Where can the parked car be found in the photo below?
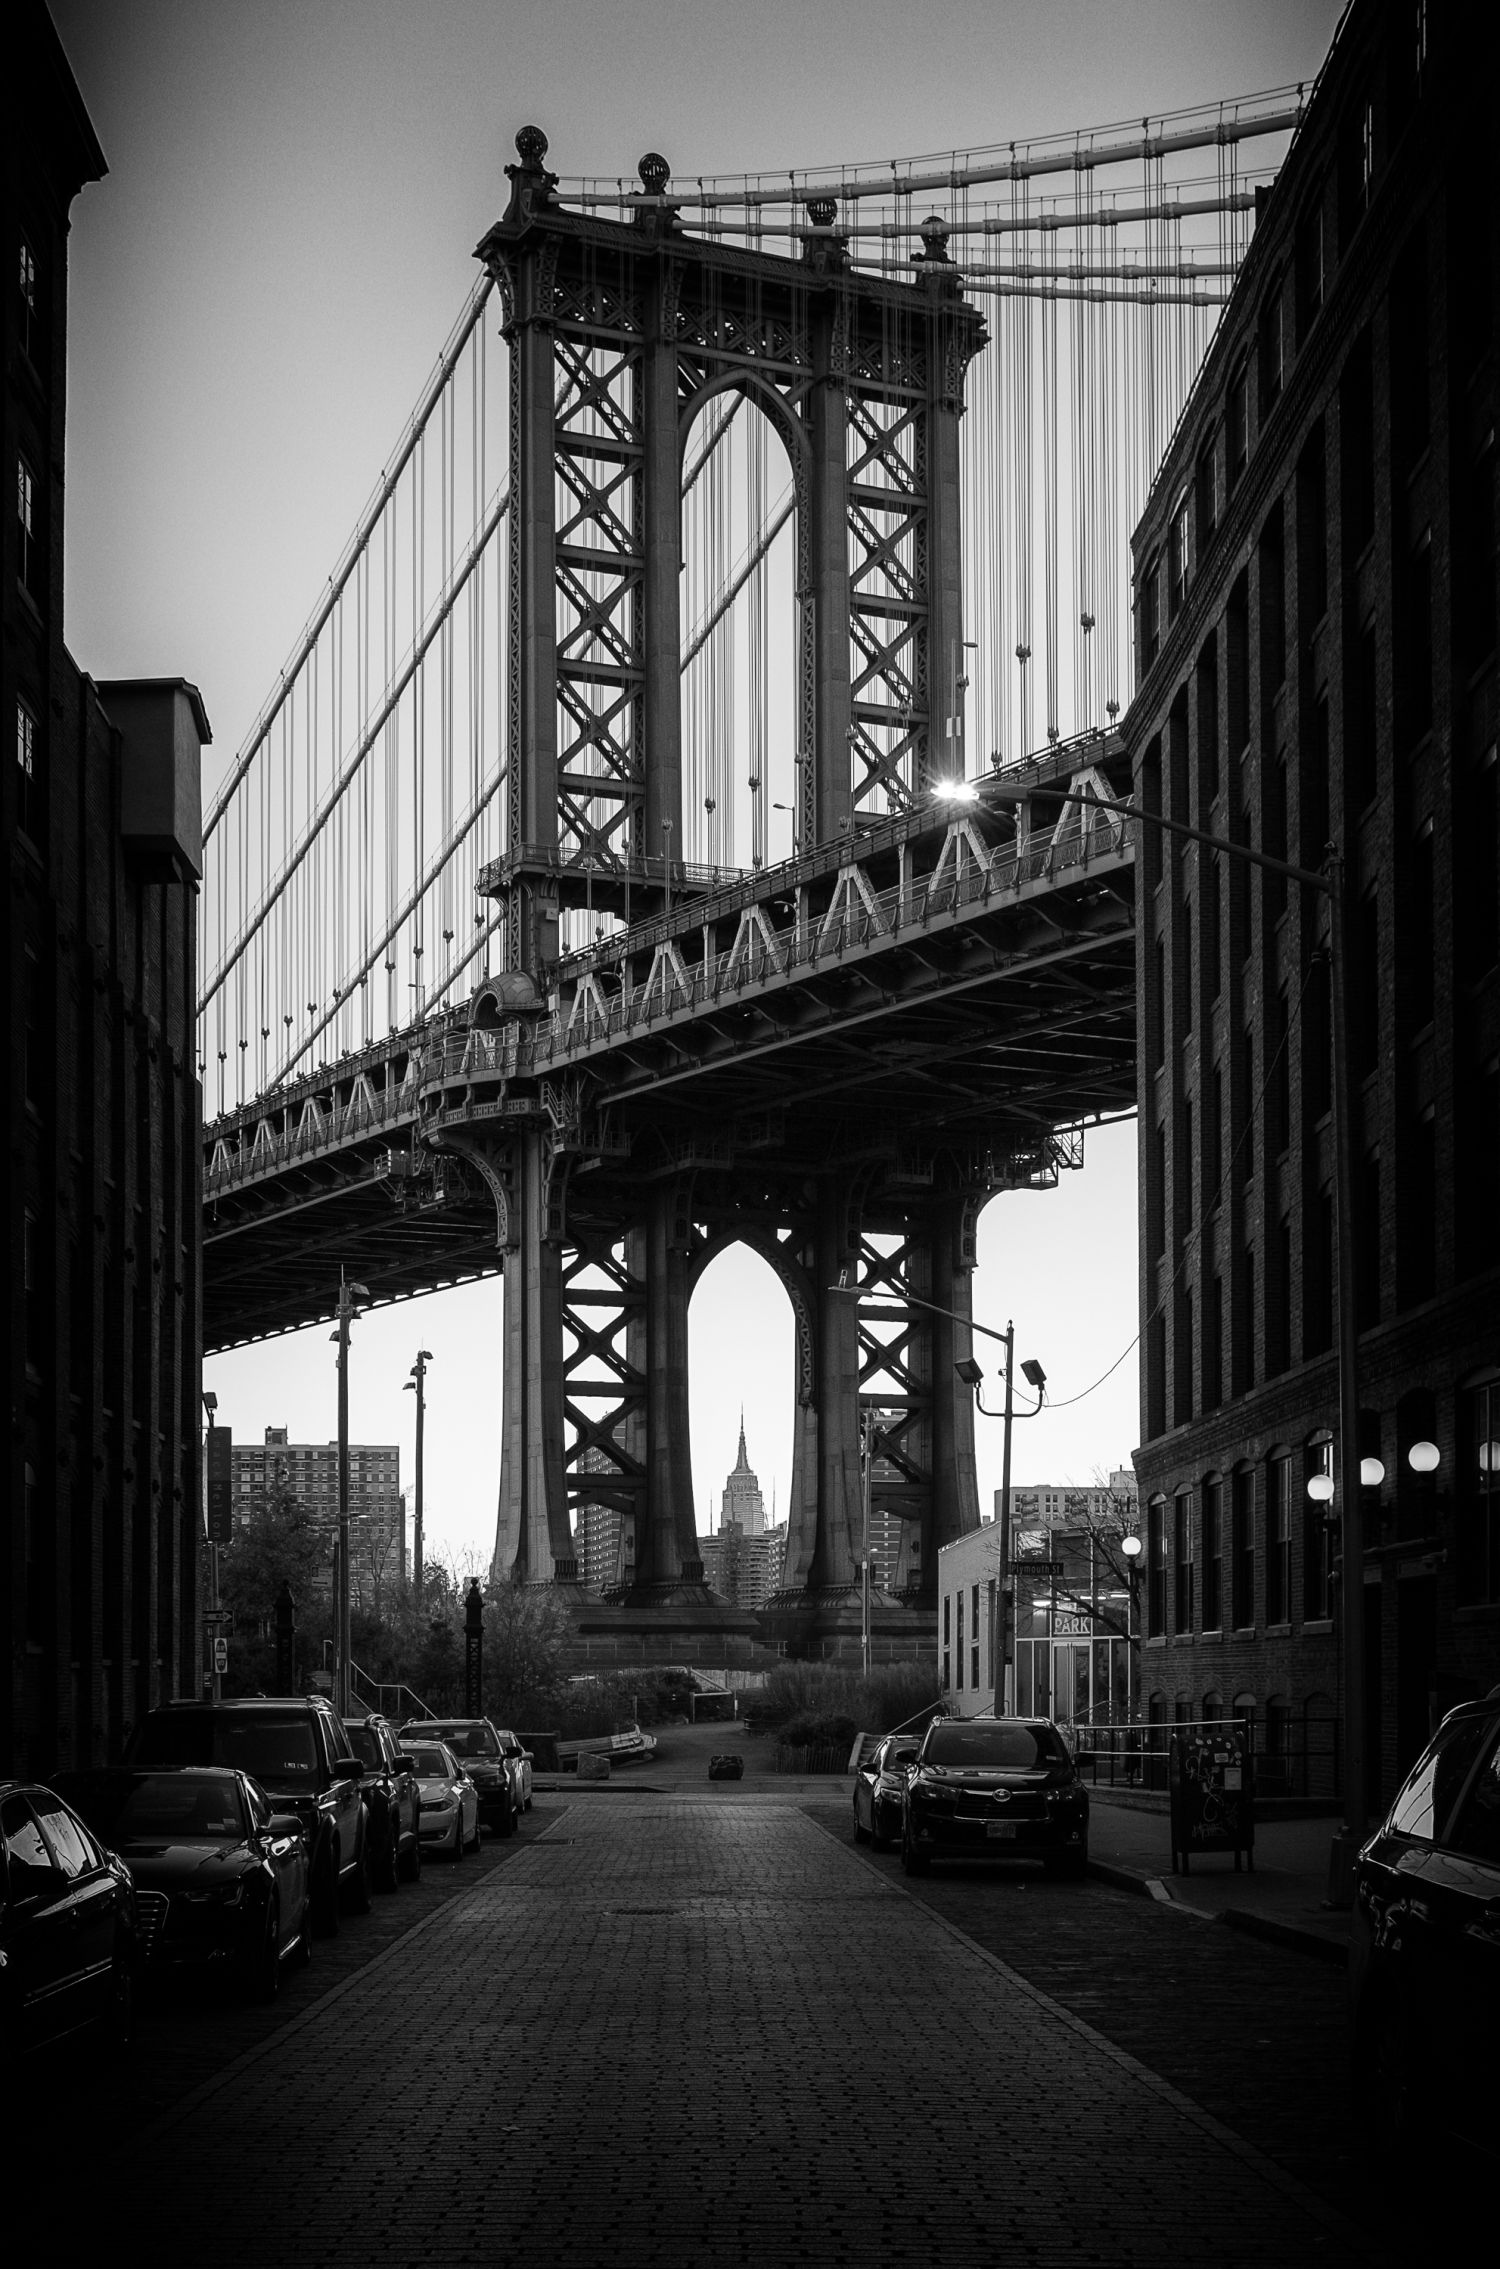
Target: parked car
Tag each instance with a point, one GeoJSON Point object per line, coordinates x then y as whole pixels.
{"type": "Point", "coordinates": [296, 1748]}
{"type": "Point", "coordinates": [994, 1788]}
{"type": "Point", "coordinates": [450, 1801]}
{"type": "Point", "coordinates": [392, 1807]}
{"type": "Point", "coordinates": [880, 1789]}
{"type": "Point", "coordinates": [1424, 1963]}
{"type": "Point", "coordinates": [519, 1759]}
{"type": "Point", "coordinates": [221, 1879]}
{"type": "Point", "coordinates": [476, 1745]}
{"type": "Point", "coordinates": [69, 1934]}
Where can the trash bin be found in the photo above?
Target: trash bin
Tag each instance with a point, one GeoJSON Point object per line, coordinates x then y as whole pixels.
{"type": "Point", "coordinates": [1211, 1781]}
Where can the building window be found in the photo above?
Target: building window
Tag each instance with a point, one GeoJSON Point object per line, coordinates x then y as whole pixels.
{"type": "Point", "coordinates": [1279, 1541]}
{"type": "Point", "coordinates": [1182, 1555]}
{"type": "Point", "coordinates": [947, 1657]}
{"type": "Point", "coordinates": [1310, 266]}
{"type": "Point", "coordinates": [1178, 541]}
{"type": "Point", "coordinates": [28, 568]}
{"type": "Point", "coordinates": [1242, 1549]}
{"type": "Point", "coordinates": [1206, 493]}
{"type": "Point", "coordinates": [1237, 427]}
{"type": "Point", "coordinates": [1150, 614]}
{"type": "Point", "coordinates": [1479, 1491]}
{"type": "Point", "coordinates": [1272, 356]}
{"type": "Point", "coordinates": [1319, 1530]}
{"type": "Point", "coordinates": [28, 784]}
{"type": "Point", "coordinates": [1213, 1546]}
{"type": "Point", "coordinates": [26, 299]}
{"type": "Point", "coordinates": [1156, 1567]}
{"type": "Point", "coordinates": [958, 1636]}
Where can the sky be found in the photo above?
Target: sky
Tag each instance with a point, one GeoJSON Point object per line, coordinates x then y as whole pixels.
{"type": "Point", "coordinates": [259, 289]}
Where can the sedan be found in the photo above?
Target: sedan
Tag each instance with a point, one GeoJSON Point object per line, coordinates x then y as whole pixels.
{"type": "Point", "coordinates": [449, 1799]}
{"type": "Point", "coordinates": [221, 1879]}
{"type": "Point", "coordinates": [880, 1789]}
{"type": "Point", "coordinates": [69, 1945]}
{"type": "Point", "coordinates": [994, 1788]}
{"type": "Point", "coordinates": [1425, 1961]}
{"type": "Point", "coordinates": [518, 1764]}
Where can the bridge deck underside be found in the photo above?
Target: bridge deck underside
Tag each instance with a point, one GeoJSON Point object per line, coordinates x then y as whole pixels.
{"type": "Point", "coordinates": [975, 1040]}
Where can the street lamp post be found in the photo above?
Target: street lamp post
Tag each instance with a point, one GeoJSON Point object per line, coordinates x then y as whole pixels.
{"type": "Point", "coordinates": [866, 1458]}
{"type": "Point", "coordinates": [351, 1298]}
{"type": "Point", "coordinates": [417, 1384]}
{"type": "Point", "coordinates": [1328, 880]}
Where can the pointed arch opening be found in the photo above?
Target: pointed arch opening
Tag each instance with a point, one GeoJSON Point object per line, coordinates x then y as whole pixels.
{"type": "Point", "coordinates": [743, 1340]}
{"type": "Point", "coordinates": [741, 643]}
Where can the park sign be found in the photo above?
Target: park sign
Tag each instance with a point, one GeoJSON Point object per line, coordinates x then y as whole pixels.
{"type": "Point", "coordinates": [220, 1488]}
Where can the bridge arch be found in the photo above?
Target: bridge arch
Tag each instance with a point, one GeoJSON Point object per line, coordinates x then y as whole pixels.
{"type": "Point", "coordinates": [798, 1505]}
{"type": "Point", "coordinates": [744, 643]}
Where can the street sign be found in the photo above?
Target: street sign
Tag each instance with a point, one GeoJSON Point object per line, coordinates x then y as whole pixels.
{"type": "Point", "coordinates": [218, 1615]}
{"type": "Point", "coordinates": [1040, 1567]}
{"type": "Point", "coordinates": [220, 1500]}
{"type": "Point", "coordinates": [221, 1656]}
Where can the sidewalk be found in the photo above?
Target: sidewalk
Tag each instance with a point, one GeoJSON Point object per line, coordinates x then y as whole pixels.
{"type": "Point", "coordinates": [1282, 1898]}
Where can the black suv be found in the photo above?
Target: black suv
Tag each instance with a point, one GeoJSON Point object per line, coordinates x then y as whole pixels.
{"type": "Point", "coordinates": [1424, 1959]}
{"type": "Point", "coordinates": [295, 1745]}
{"type": "Point", "coordinates": [994, 1788]}
{"type": "Point", "coordinates": [392, 1805]}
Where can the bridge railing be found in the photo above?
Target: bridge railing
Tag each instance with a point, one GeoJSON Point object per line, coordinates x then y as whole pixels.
{"type": "Point", "coordinates": [866, 917]}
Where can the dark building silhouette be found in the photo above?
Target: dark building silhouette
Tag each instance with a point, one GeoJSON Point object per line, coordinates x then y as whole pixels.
{"type": "Point", "coordinates": [102, 841]}
{"type": "Point", "coordinates": [1316, 603]}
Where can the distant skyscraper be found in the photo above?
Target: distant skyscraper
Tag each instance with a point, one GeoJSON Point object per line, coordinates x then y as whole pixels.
{"type": "Point", "coordinates": [743, 1503]}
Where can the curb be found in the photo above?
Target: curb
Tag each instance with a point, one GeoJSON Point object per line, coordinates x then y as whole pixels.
{"type": "Point", "coordinates": [1286, 1934]}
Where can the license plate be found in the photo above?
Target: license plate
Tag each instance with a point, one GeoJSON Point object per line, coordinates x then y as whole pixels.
{"type": "Point", "coordinates": [1000, 1828]}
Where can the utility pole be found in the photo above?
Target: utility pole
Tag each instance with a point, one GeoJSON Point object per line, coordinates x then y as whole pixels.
{"type": "Point", "coordinates": [417, 1384]}
{"type": "Point", "coordinates": [351, 1298]}
{"type": "Point", "coordinates": [866, 1448]}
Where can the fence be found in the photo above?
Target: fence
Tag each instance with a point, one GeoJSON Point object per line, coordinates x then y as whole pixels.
{"type": "Point", "coordinates": [1294, 1757]}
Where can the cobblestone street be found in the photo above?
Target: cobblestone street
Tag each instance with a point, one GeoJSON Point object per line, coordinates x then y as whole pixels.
{"type": "Point", "coordinates": [686, 2030]}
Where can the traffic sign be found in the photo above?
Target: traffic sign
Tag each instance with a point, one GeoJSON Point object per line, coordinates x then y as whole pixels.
{"type": "Point", "coordinates": [1041, 1567]}
{"type": "Point", "coordinates": [221, 1656]}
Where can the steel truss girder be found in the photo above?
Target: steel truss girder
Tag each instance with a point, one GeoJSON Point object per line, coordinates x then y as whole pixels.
{"type": "Point", "coordinates": [619, 332]}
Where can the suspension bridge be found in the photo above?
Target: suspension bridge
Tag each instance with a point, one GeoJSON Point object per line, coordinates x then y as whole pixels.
{"type": "Point", "coordinates": [685, 817]}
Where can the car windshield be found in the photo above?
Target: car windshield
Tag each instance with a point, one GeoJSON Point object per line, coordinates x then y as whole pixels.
{"type": "Point", "coordinates": [168, 1807]}
{"type": "Point", "coordinates": [273, 1746]}
{"type": "Point", "coordinates": [471, 1741]}
{"type": "Point", "coordinates": [430, 1764]}
{"type": "Point", "coordinates": [899, 1753]}
{"type": "Point", "coordinates": [982, 1742]}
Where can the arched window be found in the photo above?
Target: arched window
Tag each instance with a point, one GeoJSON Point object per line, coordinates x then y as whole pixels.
{"type": "Point", "coordinates": [1319, 1531]}
{"type": "Point", "coordinates": [1213, 1551]}
{"type": "Point", "coordinates": [1246, 1708]}
{"type": "Point", "coordinates": [1274, 1769]}
{"type": "Point", "coordinates": [1213, 1706]}
{"type": "Point", "coordinates": [1478, 1487]}
{"type": "Point", "coordinates": [1156, 1567]}
{"type": "Point", "coordinates": [1280, 1476]}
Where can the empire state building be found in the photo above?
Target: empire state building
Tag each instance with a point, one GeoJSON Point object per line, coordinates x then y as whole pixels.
{"type": "Point", "coordinates": [742, 1504]}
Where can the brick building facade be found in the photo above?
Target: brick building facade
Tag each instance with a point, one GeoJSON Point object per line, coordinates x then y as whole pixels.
{"type": "Point", "coordinates": [99, 822]}
{"type": "Point", "coordinates": [1316, 602]}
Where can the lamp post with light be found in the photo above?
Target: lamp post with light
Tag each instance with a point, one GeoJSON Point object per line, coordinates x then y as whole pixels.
{"type": "Point", "coordinates": [972, 1376]}
{"type": "Point", "coordinates": [417, 1384]}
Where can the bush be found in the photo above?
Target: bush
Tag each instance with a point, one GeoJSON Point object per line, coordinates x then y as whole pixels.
{"type": "Point", "coordinates": [798, 1692]}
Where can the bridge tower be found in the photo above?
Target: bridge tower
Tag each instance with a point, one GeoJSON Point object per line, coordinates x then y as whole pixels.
{"type": "Point", "coordinates": [620, 331]}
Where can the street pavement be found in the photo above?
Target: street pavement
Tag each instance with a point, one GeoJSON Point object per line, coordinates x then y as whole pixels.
{"type": "Point", "coordinates": [704, 2028]}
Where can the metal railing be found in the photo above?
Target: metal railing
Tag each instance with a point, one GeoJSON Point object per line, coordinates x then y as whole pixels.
{"type": "Point", "coordinates": [1294, 1756]}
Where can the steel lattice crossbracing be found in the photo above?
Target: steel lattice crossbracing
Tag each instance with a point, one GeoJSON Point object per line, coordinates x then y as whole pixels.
{"type": "Point", "coordinates": [717, 605]}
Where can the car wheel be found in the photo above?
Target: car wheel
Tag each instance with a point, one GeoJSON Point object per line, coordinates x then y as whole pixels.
{"type": "Point", "coordinates": [410, 1863]}
{"type": "Point", "coordinates": [263, 1976]}
{"type": "Point", "coordinates": [357, 1882]}
{"type": "Point", "coordinates": [913, 1861]}
{"type": "Point", "coordinates": [325, 1900]}
{"type": "Point", "coordinates": [124, 1998]}
{"type": "Point", "coordinates": [879, 1837]}
{"type": "Point", "coordinates": [457, 1849]}
{"type": "Point", "coordinates": [1386, 2099]}
{"type": "Point", "coordinates": [387, 1872]}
